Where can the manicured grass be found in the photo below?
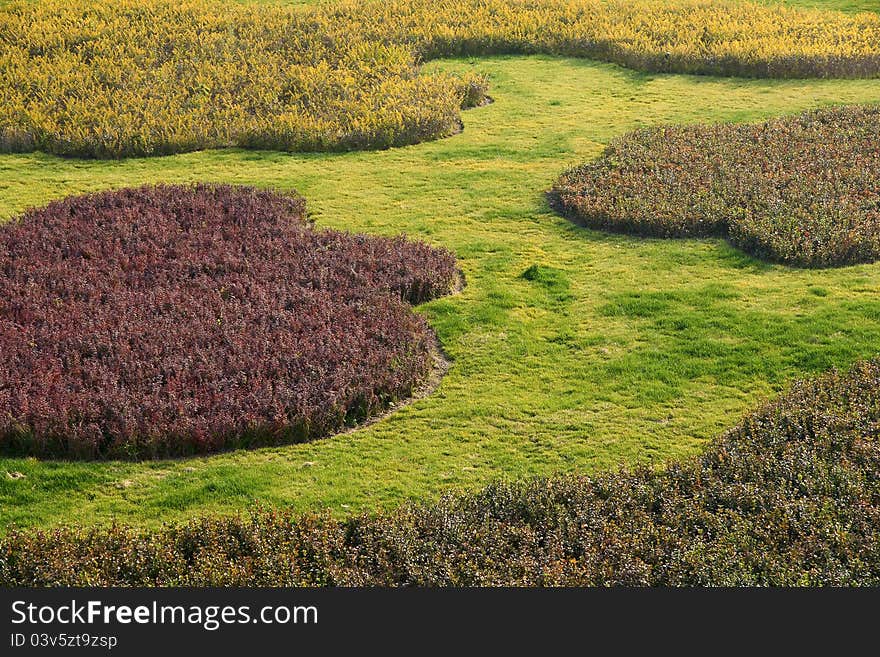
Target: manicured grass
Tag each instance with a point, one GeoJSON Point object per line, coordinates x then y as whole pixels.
{"type": "Point", "coordinates": [849, 6]}
{"type": "Point", "coordinates": [611, 350]}
{"type": "Point", "coordinates": [789, 497]}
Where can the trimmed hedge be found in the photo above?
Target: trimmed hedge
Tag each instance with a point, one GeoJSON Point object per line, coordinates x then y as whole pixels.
{"type": "Point", "coordinates": [802, 190]}
{"type": "Point", "coordinates": [791, 496]}
{"type": "Point", "coordinates": [120, 78]}
{"type": "Point", "coordinates": [174, 320]}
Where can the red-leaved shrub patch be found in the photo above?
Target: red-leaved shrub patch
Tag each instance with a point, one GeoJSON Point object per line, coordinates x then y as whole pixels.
{"type": "Point", "coordinates": [788, 497]}
{"type": "Point", "coordinates": [173, 320]}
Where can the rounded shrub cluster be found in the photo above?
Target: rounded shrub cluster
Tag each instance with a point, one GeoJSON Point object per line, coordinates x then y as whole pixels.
{"type": "Point", "coordinates": [802, 190]}
{"type": "Point", "coordinates": [95, 78]}
{"type": "Point", "coordinates": [791, 496]}
{"type": "Point", "coordinates": [119, 78]}
{"type": "Point", "coordinates": [173, 320]}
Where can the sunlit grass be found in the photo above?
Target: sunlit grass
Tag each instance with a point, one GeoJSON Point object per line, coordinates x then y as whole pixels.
{"type": "Point", "coordinates": [611, 350]}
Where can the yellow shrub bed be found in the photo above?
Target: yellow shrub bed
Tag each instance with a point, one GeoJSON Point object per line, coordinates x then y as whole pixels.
{"type": "Point", "coordinates": [133, 77]}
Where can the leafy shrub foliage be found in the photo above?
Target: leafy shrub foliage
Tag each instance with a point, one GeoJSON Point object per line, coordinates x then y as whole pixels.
{"type": "Point", "coordinates": [174, 320]}
{"type": "Point", "coordinates": [802, 190]}
{"type": "Point", "coordinates": [791, 496]}
{"type": "Point", "coordinates": [120, 78]}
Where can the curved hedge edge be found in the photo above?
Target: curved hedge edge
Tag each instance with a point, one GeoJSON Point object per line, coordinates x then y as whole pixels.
{"type": "Point", "coordinates": [801, 190]}
{"type": "Point", "coordinates": [359, 87]}
{"type": "Point", "coordinates": [114, 352]}
{"type": "Point", "coordinates": [789, 497]}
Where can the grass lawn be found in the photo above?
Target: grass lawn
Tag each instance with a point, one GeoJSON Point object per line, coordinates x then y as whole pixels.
{"type": "Point", "coordinates": [849, 6]}
{"type": "Point", "coordinates": [612, 350]}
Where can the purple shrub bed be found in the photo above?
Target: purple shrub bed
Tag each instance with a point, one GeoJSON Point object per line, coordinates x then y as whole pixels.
{"type": "Point", "coordinates": [790, 496]}
{"type": "Point", "coordinates": [801, 190]}
{"type": "Point", "coordinates": [173, 320]}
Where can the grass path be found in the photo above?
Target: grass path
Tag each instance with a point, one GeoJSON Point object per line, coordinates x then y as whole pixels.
{"type": "Point", "coordinates": [614, 350]}
{"type": "Point", "coordinates": [849, 6]}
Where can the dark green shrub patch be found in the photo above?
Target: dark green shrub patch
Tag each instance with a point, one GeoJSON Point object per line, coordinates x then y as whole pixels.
{"type": "Point", "coordinates": [801, 190]}
{"type": "Point", "coordinates": [175, 320]}
{"type": "Point", "coordinates": [791, 496]}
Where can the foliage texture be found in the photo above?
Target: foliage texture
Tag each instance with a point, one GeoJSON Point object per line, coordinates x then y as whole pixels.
{"type": "Point", "coordinates": [802, 190]}
{"type": "Point", "coordinates": [173, 320]}
{"type": "Point", "coordinates": [133, 78]}
{"type": "Point", "coordinates": [791, 496]}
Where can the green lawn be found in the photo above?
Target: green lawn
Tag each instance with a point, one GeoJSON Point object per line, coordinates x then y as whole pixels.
{"type": "Point", "coordinates": [619, 350]}
{"type": "Point", "coordinates": [850, 6]}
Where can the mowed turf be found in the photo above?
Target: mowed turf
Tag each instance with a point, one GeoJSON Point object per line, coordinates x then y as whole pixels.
{"type": "Point", "coordinates": [572, 350]}
{"type": "Point", "coordinates": [849, 6]}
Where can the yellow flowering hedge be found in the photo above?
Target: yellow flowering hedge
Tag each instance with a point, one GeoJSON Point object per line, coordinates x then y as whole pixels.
{"type": "Point", "coordinates": [120, 78]}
